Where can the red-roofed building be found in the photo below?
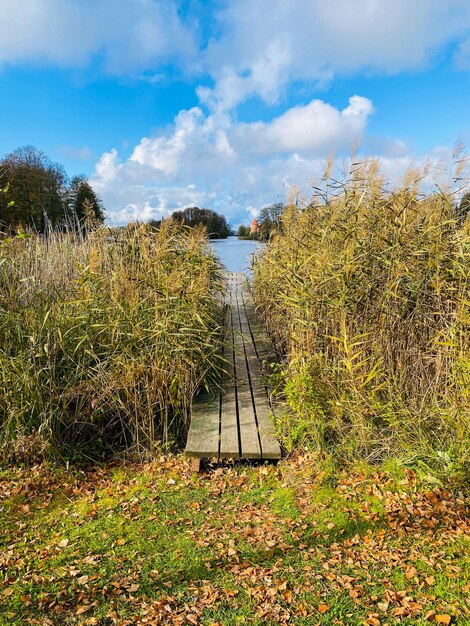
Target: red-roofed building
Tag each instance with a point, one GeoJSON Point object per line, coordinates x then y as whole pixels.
{"type": "Point", "coordinates": [254, 228]}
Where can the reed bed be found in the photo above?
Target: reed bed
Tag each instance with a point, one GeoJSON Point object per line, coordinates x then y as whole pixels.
{"type": "Point", "coordinates": [366, 293]}
{"type": "Point", "coordinates": [104, 339]}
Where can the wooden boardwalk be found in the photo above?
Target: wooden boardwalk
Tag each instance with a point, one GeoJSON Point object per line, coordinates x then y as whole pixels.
{"type": "Point", "coordinates": [235, 422]}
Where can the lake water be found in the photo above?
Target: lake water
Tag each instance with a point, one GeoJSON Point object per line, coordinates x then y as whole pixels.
{"type": "Point", "coordinates": [235, 254]}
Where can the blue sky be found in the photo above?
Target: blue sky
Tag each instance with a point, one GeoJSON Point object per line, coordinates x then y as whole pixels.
{"type": "Point", "coordinates": [227, 104]}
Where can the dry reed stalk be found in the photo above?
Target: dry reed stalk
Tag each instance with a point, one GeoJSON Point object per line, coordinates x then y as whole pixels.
{"type": "Point", "coordinates": [105, 339]}
{"type": "Point", "coordinates": [366, 293]}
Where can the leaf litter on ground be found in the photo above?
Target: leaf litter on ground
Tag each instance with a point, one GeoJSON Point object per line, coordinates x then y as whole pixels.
{"type": "Point", "coordinates": [238, 544]}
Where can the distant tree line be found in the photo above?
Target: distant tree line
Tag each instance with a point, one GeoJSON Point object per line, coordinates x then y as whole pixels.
{"type": "Point", "coordinates": [39, 195]}
{"type": "Point", "coordinates": [269, 221]}
{"type": "Point", "coordinates": [215, 224]}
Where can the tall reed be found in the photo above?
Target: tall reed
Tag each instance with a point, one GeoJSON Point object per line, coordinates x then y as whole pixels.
{"type": "Point", "coordinates": [366, 293]}
{"type": "Point", "coordinates": [105, 339]}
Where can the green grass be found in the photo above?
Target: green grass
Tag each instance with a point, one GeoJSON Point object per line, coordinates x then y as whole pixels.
{"type": "Point", "coordinates": [235, 545]}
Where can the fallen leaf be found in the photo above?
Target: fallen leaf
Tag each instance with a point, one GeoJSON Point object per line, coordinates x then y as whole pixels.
{"type": "Point", "coordinates": [322, 608]}
{"type": "Point", "coordinates": [443, 618]}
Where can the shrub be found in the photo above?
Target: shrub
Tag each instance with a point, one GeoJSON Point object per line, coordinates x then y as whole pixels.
{"type": "Point", "coordinates": [104, 340]}
{"type": "Point", "coordinates": [366, 293]}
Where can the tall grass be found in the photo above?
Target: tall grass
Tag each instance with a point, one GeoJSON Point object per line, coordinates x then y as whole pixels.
{"type": "Point", "coordinates": [105, 339]}
{"type": "Point", "coordinates": [366, 293]}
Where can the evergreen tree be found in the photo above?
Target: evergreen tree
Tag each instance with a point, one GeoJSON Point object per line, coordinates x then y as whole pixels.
{"type": "Point", "coordinates": [83, 201]}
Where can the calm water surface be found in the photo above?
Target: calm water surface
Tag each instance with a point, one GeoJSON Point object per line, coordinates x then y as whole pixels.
{"type": "Point", "coordinates": [235, 254]}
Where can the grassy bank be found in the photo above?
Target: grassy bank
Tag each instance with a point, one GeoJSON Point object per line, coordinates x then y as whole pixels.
{"type": "Point", "coordinates": [103, 340]}
{"type": "Point", "coordinates": [366, 293]}
{"type": "Point", "coordinates": [294, 544]}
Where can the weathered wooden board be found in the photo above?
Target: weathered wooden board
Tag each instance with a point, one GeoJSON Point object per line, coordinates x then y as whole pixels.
{"type": "Point", "coordinates": [250, 444]}
{"type": "Point", "coordinates": [204, 430]}
{"type": "Point", "coordinates": [229, 434]}
{"type": "Point", "coordinates": [236, 422]}
{"type": "Point", "coordinates": [270, 448]}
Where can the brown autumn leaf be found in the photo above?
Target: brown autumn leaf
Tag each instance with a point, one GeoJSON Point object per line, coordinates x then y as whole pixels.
{"type": "Point", "coordinates": [443, 618]}
{"type": "Point", "coordinates": [63, 544]}
{"type": "Point", "coordinates": [322, 608]}
{"type": "Point", "coordinates": [121, 542]}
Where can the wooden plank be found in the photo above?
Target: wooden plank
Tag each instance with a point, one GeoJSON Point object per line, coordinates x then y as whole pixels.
{"type": "Point", "coordinates": [263, 344]}
{"type": "Point", "coordinates": [250, 445]}
{"type": "Point", "coordinates": [236, 421]}
{"type": "Point", "coordinates": [204, 430]}
{"type": "Point", "coordinates": [270, 448]}
{"type": "Point", "coordinates": [229, 433]}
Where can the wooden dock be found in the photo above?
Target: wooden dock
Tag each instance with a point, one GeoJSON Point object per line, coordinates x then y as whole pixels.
{"type": "Point", "coordinates": [235, 421]}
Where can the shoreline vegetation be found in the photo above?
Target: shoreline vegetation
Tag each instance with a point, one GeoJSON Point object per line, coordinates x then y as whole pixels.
{"type": "Point", "coordinates": [104, 339]}
{"type": "Point", "coordinates": [106, 335]}
{"type": "Point", "coordinates": [366, 295]}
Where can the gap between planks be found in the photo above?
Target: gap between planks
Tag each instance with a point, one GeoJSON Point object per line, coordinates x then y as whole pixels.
{"type": "Point", "coordinates": [235, 421]}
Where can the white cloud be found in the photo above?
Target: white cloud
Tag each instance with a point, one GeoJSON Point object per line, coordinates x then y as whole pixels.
{"type": "Point", "coordinates": [463, 55]}
{"type": "Point", "coordinates": [197, 141]}
{"type": "Point", "coordinates": [316, 127]}
{"type": "Point", "coordinates": [210, 160]}
{"type": "Point", "coordinates": [215, 162]}
{"type": "Point", "coordinates": [130, 35]}
{"type": "Point", "coordinates": [266, 45]}
{"type": "Point", "coordinates": [258, 47]}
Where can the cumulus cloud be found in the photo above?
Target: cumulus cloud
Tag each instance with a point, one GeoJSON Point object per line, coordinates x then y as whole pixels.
{"type": "Point", "coordinates": [264, 45]}
{"type": "Point", "coordinates": [129, 36]}
{"type": "Point", "coordinates": [195, 144]}
{"type": "Point", "coordinates": [211, 160]}
{"type": "Point", "coordinates": [257, 47]}
{"type": "Point", "coordinates": [316, 127]}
